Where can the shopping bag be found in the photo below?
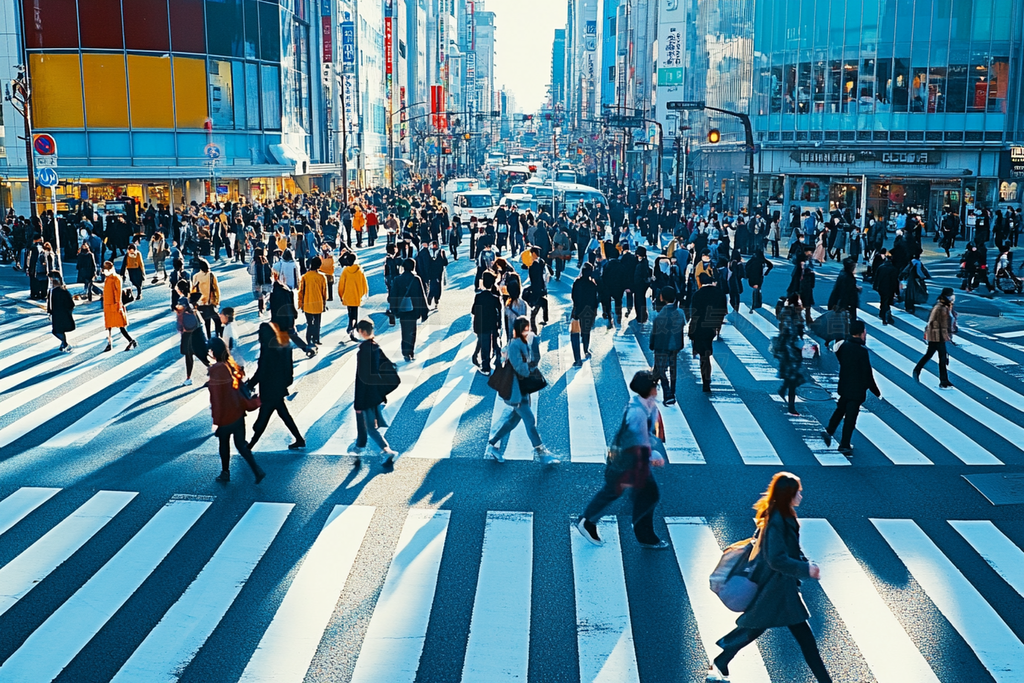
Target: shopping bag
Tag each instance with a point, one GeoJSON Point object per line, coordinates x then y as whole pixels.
{"type": "Point", "coordinates": [501, 380]}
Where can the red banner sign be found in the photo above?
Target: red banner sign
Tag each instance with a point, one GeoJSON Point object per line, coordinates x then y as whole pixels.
{"type": "Point", "coordinates": [389, 64]}
{"type": "Point", "coordinates": [328, 39]}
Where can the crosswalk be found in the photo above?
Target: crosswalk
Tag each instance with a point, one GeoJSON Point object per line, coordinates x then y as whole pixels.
{"type": "Point", "coordinates": [444, 410]}
{"type": "Point", "coordinates": [879, 578]}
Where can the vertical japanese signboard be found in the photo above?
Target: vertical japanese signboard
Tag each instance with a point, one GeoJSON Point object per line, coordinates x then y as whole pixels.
{"type": "Point", "coordinates": [348, 44]}
{"type": "Point", "coordinates": [327, 38]}
{"type": "Point", "coordinates": [672, 50]}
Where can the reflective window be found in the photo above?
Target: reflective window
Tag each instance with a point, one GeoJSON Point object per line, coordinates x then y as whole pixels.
{"type": "Point", "coordinates": [270, 32]}
{"type": "Point", "coordinates": [145, 25]}
{"type": "Point", "coordinates": [186, 17]}
{"type": "Point", "coordinates": [270, 96]}
{"type": "Point", "coordinates": [97, 30]}
{"type": "Point", "coordinates": [53, 23]}
{"type": "Point", "coordinates": [224, 27]}
{"type": "Point", "coordinates": [221, 95]}
{"type": "Point", "coordinates": [252, 96]}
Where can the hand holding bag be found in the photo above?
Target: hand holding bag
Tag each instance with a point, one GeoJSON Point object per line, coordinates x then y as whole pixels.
{"type": "Point", "coordinates": [732, 579]}
{"type": "Point", "coordinates": [501, 380]}
{"type": "Point", "coordinates": [532, 383]}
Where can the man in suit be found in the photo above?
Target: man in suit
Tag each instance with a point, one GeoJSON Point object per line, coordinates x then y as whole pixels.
{"type": "Point", "coordinates": [855, 380]}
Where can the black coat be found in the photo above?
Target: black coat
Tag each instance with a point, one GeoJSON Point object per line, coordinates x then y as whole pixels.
{"type": "Point", "coordinates": [486, 312]}
{"type": "Point", "coordinates": [408, 284]}
{"type": "Point", "coordinates": [855, 376]}
{"type": "Point", "coordinates": [86, 267]}
{"type": "Point", "coordinates": [708, 313]}
{"type": "Point", "coordinates": [845, 294]}
{"type": "Point", "coordinates": [584, 299]}
{"type": "Point", "coordinates": [282, 307]}
{"type": "Point", "coordinates": [368, 381]}
{"type": "Point", "coordinates": [780, 569]}
{"type": "Point", "coordinates": [667, 330]}
{"type": "Point", "coordinates": [887, 280]}
{"type": "Point", "coordinates": [274, 368]}
{"type": "Point", "coordinates": [59, 307]}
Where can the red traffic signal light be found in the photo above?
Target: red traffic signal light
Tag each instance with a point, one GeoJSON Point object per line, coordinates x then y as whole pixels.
{"type": "Point", "coordinates": [446, 150]}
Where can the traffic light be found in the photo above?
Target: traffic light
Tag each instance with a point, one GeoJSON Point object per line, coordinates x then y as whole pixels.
{"type": "Point", "coordinates": [467, 136]}
{"type": "Point", "coordinates": [446, 150]}
{"type": "Point", "coordinates": [527, 117]}
{"type": "Point", "coordinates": [714, 136]}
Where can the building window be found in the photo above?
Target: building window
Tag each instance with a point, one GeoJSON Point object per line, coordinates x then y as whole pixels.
{"type": "Point", "coordinates": [900, 85]}
{"type": "Point", "coordinates": [252, 96]}
{"type": "Point", "coordinates": [224, 27]}
{"type": "Point", "coordinates": [146, 27]}
{"type": "Point", "coordinates": [187, 20]}
{"type": "Point", "coordinates": [221, 95]}
{"type": "Point", "coordinates": [270, 96]}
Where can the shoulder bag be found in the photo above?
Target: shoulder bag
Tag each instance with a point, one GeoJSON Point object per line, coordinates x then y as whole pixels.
{"type": "Point", "coordinates": [501, 380]}
{"type": "Point", "coordinates": [732, 580]}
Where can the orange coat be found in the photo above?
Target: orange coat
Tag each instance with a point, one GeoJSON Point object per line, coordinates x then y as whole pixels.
{"type": "Point", "coordinates": [312, 292]}
{"type": "Point", "coordinates": [358, 220]}
{"type": "Point", "coordinates": [114, 314]}
{"type": "Point", "coordinates": [352, 285]}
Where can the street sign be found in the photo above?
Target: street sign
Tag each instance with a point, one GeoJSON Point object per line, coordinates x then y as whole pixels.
{"type": "Point", "coordinates": [684, 105]}
{"type": "Point", "coordinates": [46, 162]}
{"type": "Point", "coordinates": [47, 177]}
{"type": "Point", "coordinates": [617, 121]}
{"type": "Point", "coordinates": [43, 144]}
{"type": "Point", "coordinates": [212, 151]}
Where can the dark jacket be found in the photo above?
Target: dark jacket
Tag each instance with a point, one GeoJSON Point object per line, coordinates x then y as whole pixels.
{"type": "Point", "coordinates": [845, 294]}
{"type": "Point", "coordinates": [274, 368]}
{"type": "Point", "coordinates": [368, 382]}
{"type": "Point", "coordinates": [755, 270]}
{"type": "Point", "coordinates": [708, 313]}
{"type": "Point", "coordinates": [282, 307]}
{"type": "Point", "coordinates": [59, 307]}
{"type": "Point", "coordinates": [643, 277]}
{"type": "Point", "coordinates": [486, 312]}
{"type": "Point", "coordinates": [584, 299]}
{"type": "Point", "coordinates": [781, 567]}
{"type": "Point", "coordinates": [855, 376]}
{"type": "Point", "coordinates": [886, 280]}
{"type": "Point", "coordinates": [408, 284]}
{"type": "Point", "coordinates": [667, 330]}
{"type": "Point", "coordinates": [86, 267]}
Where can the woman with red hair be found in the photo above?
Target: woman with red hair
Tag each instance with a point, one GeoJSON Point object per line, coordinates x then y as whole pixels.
{"type": "Point", "coordinates": [780, 567]}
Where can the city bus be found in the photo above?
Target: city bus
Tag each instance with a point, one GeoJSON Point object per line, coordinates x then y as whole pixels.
{"type": "Point", "coordinates": [512, 175]}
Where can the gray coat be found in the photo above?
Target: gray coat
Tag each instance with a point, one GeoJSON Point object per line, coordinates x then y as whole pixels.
{"type": "Point", "coordinates": [778, 602]}
{"type": "Point", "coordinates": [524, 357]}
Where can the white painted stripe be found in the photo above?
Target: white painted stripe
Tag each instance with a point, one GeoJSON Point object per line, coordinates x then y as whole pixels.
{"type": "Point", "coordinates": [748, 355]}
{"type": "Point", "coordinates": [173, 642]}
{"type": "Point", "coordinates": [586, 430]}
{"type": "Point", "coordinates": [16, 340]}
{"type": "Point", "coordinates": [11, 323]}
{"type": "Point", "coordinates": [498, 650]}
{"type": "Point", "coordinates": [809, 430]}
{"type": "Point", "coordinates": [697, 553]}
{"type": "Point", "coordinates": [1002, 555]}
{"type": "Point", "coordinates": [92, 424]}
{"type": "Point", "coordinates": [60, 638]}
{"type": "Point", "coordinates": [888, 650]}
{"type": "Point", "coordinates": [753, 446]}
{"type": "Point", "coordinates": [21, 503]}
{"type": "Point", "coordinates": [984, 382]}
{"type": "Point", "coordinates": [680, 443]}
{"type": "Point", "coordinates": [398, 628]}
{"type": "Point", "coordinates": [961, 604]}
{"type": "Point", "coordinates": [290, 642]}
{"type": "Point", "coordinates": [412, 375]}
{"type": "Point", "coordinates": [603, 629]}
{"type": "Point", "coordinates": [1010, 335]}
{"type": "Point", "coordinates": [518, 446]}
{"type": "Point", "coordinates": [83, 392]}
{"type": "Point", "coordinates": [25, 571]}
{"type": "Point", "coordinates": [437, 437]}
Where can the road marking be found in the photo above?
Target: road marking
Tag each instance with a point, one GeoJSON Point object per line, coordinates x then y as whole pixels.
{"type": "Point", "coordinates": [996, 549]}
{"type": "Point", "coordinates": [888, 650]}
{"type": "Point", "coordinates": [394, 640]}
{"type": "Point", "coordinates": [52, 646]}
{"type": "Point", "coordinates": [437, 437]}
{"type": "Point", "coordinates": [498, 650]}
{"type": "Point", "coordinates": [748, 355]}
{"type": "Point", "coordinates": [335, 385]}
{"type": "Point", "coordinates": [680, 443]}
{"type": "Point", "coordinates": [697, 553]}
{"type": "Point", "coordinates": [35, 563]}
{"type": "Point", "coordinates": [586, 430]}
{"type": "Point", "coordinates": [1010, 335]}
{"type": "Point", "coordinates": [173, 642]}
{"type": "Point", "coordinates": [961, 604]}
{"type": "Point", "coordinates": [603, 630]}
{"type": "Point", "coordinates": [290, 642]}
{"type": "Point", "coordinates": [21, 503]}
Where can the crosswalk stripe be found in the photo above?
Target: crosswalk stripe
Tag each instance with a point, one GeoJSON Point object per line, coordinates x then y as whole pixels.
{"type": "Point", "coordinates": [750, 440]}
{"type": "Point", "coordinates": [586, 430]}
{"type": "Point", "coordinates": [809, 429]}
{"type": "Point", "coordinates": [978, 379]}
{"type": "Point", "coordinates": [996, 549]}
{"type": "Point", "coordinates": [173, 642]}
{"type": "Point", "coordinates": [680, 443]}
{"type": "Point", "coordinates": [893, 446]}
{"type": "Point", "coordinates": [398, 628]}
{"type": "Point", "coordinates": [290, 642]}
{"type": "Point", "coordinates": [697, 553]}
{"type": "Point", "coordinates": [53, 645]}
{"type": "Point", "coordinates": [748, 355]}
{"type": "Point", "coordinates": [498, 650]}
{"type": "Point", "coordinates": [603, 630]}
{"type": "Point", "coordinates": [25, 571]}
{"type": "Point", "coordinates": [984, 353]}
{"type": "Point", "coordinates": [437, 437]}
{"type": "Point", "coordinates": [335, 386]}
{"type": "Point", "coordinates": [43, 414]}
{"type": "Point", "coordinates": [1010, 335]}
{"type": "Point", "coordinates": [961, 604]}
{"type": "Point", "coordinates": [888, 650]}
{"type": "Point", "coordinates": [21, 503]}
{"type": "Point", "coordinates": [92, 424]}
{"type": "Point", "coordinates": [16, 323]}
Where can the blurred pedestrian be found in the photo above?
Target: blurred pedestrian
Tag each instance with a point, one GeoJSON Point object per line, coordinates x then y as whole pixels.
{"type": "Point", "coordinates": [59, 306]}
{"type": "Point", "coordinates": [228, 406]}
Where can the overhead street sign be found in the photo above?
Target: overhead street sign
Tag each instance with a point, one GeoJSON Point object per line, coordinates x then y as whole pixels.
{"type": "Point", "coordinates": [617, 121]}
{"type": "Point", "coordinates": [684, 105]}
{"type": "Point", "coordinates": [47, 177]}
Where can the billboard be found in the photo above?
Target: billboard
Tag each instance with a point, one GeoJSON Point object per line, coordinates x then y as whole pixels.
{"type": "Point", "coordinates": [348, 43]}
{"type": "Point", "coordinates": [671, 62]}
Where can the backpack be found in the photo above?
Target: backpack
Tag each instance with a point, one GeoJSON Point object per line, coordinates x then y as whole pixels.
{"type": "Point", "coordinates": [387, 372]}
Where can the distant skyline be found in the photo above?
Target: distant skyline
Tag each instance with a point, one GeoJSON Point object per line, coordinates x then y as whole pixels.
{"type": "Point", "coordinates": [524, 32]}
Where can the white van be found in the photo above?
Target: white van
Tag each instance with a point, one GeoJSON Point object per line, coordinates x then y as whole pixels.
{"type": "Point", "coordinates": [457, 185]}
{"type": "Point", "coordinates": [475, 203]}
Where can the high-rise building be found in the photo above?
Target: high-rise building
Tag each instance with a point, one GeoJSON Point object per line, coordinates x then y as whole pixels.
{"type": "Point", "coordinates": [557, 91]}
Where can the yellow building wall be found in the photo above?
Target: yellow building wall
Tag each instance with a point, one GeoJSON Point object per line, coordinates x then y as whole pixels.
{"type": "Point", "coordinates": [106, 90]}
{"type": "Point", "coordinates": [56, 91]}
{"type": "Point", "coordinates": [190, 110]}
{"type": "Point", "coordinates": [152, 93]}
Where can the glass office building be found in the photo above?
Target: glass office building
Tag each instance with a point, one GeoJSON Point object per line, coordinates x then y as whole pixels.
{"type": "Point", "coordinates": [177, 98]}
{"type": "Point", "coordinates": [888, 105]}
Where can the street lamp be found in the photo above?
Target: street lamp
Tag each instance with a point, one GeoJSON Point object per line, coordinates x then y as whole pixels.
{"type": "Point", "coordinates": [391, 140]}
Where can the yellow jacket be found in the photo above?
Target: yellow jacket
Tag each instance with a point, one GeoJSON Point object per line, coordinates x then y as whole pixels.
{"type": "Point", "coordinates": [206, 284]}
{"type": "Point", "coordinates": [312, 292]}
{"type": "Point", "coordinates": [358, 220]}
{"type": "Point", "coordinates": [327, 265]}
{"type": "Point", "coordinates": [352, 285]}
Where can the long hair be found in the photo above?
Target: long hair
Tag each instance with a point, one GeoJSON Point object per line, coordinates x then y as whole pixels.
{"type": "Point", "coordinates": [779, 496]}
{"type": "Point", "coordinates": [219, 350]}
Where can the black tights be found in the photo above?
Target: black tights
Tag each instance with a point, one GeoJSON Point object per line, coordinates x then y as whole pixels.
{"type": "Point", "coordinates": [189, 363]}
{"type": "Point", "coordinates": [739, 638]}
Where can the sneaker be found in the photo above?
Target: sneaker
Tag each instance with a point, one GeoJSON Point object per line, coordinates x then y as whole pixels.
{"type": "Point", "coordinates": [493, 452]}
{"type": "Point", "coordinates": [660, 545]}
{"type": "Point", "coordinates": [945, 385]}
{"type": "Point", "coordinates": [311, 351]}
{"type": "Point", "coordinates": [578, 364]}
{"type": "Point", "coordinates": [187, 383]}
{"type": "Point", "coordinates": [545, 455]}
{"type": "Point", "coordinates": [390, 455]}
{"type": "Point", "coordinates": [826, 437]}
{"type": "Point", "coordinates": [846, 449]}
{"type": "Point", "coordinates": [670, 401]}
{"type": "Point", "coordinates": [589, 531]}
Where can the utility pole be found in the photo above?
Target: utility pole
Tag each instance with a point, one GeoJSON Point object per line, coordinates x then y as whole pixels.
{"type": "Point", "coordinates": [20, 98]}
{"type": "Point", "coordinates": [344, 141]}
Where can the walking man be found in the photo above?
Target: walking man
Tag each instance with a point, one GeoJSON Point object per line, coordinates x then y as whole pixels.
{"type": "Point", "coordinates": [709, 309]}
{"type": "Point", "coordinates": [312, 298]}
{"type": "Point", "coordinates": [855, 380]}
{"type": "Point", "coordinates": [666, 342]}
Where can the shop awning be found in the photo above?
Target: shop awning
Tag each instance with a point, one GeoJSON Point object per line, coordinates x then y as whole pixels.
{"type": "Point", "coordinates": [290, 155]}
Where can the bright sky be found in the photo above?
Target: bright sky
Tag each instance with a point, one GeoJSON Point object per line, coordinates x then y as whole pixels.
{"type": "Point", "coordinates": [524, 31]}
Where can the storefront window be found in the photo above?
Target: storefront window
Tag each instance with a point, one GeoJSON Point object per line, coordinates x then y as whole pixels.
{"type": "Point", "coordinates": [865, 89]}
{"type": "Point", "coordinates": [221, 95]}
{"type": "Point", "coordinates": [936, 89]}
{"type": "Point", "coordinates": [883, 85]}
{"type": "Point", "coordinates": [900, 85]}
{"type": "Point", "coordinates": [956, 88]}
{"type": "Point", "coordinates": [850, 92]}
{"type": "Point", "coordinates": [918, 89]}
{"type": "Point", "coordinates": [977, 83]}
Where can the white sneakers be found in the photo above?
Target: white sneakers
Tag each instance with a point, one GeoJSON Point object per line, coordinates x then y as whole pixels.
{"type": "Point", "coordinates": [493, 452]}
{"type": "Point", "coordinates": [187, 382]}
{"type": "Point", "coordinates": [545, 455]}
{"type": "Point", "coordinates": [589, 531]}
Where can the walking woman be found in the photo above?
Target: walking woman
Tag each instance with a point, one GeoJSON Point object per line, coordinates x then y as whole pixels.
{"type": "Point", "coordinates": [789, 350]}
{"type": "Point", "coordinates": [59, 305]}
{"type": "Point", "coordinates": [638, 449]}
{"type": "Point", "coordinates": [158, 252]}
{"type": "Point", "coordinates": [352, 290]}
{"type": "Point", "coordinates": [778, 574]}
{"type": "Point", "coordinates": [939, 330]}
{"type": "Point", "coordinates": [262, 279]}
{"type": "Point", "coordinates": [135, 267]}
{"type": "Point", "coordinates": [178, 274]}
{"type": "Point", "coordinates": [228, 406]}
{"type": "Point", "coordinates": [114, 313]}
{"type": "Point", "coordinates": [274, 377]}
{"type": "Point", "coordinates": [205, 282]}
{"type": "Point", "coordinates": [86, 270]}
{"type": "Point", "coordinates": [523, 352]}
{"type": "Point", "coordinates": [193, 339]}
{"type": "Point", "coordinates": [584, 312]}
{"type": "Point", "coordinates": [373, 383]}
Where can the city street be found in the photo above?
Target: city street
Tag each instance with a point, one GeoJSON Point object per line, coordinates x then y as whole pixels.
{"type": "Point", "coordinates": [122, 559]}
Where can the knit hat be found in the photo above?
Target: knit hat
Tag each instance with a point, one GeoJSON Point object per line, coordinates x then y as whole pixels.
{"type": "Point", "coordinates": [946, 292]}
